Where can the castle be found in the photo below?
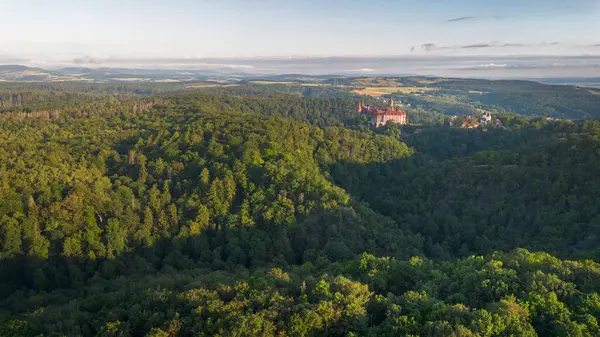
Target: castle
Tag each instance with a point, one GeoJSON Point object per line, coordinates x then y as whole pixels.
{"type": "Point", "coordinates": [379, 117]}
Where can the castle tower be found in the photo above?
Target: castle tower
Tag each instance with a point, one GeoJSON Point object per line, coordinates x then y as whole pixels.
{"type": "Point", "coordinates": [391, 104]}
{"type": "Point", "coordinates": [361, 107]}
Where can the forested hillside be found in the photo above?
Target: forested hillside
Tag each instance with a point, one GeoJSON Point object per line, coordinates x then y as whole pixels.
{"type": "Point", "coordinates": [484, 190]}
{"type": "Point", "coordinates": [214, 213]}
{"type": "Point", "coordinates": [426, 95]}
{"type": "Point", "coordinates": [452, 96]}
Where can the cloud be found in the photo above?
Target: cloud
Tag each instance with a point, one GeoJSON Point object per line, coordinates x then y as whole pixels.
{"type": "Point", "coordinates": [492, 65]}
{"type": "Point", "coordinates": [428, 46]}
{"type": "Point", "coordinates": [465, 18]}
{"type": "Point", "coordinates": [86, 60]}
{"type": "Point", "coordinates": [363, 70]}
{"type": "Point", "coordinates": [492, 44]}
{"type": "Point", "coordinates": [433, 63]}
{"type": "Point", "coordinates": [478, 45]}
{"type": "Point", "coordinates": [533, 64]}
{"type": "Point", "coordinates": [462, 18]}
{"type": "Point", "coordinates": [164, 62]}
{"type": "Point", "coordinates": [227, 66]}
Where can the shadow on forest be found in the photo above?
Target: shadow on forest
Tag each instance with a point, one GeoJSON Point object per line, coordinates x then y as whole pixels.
{"type": "Point", "coordinates": [214, 248]}
{"type": "Point", "coordinates": [483, 204]}
{"type": "Point", "coordinates": [329, 235]}
{"type": "Point", "coordinates": [335, 234]}
{"type": "Point", "coordinates": [447, 205]}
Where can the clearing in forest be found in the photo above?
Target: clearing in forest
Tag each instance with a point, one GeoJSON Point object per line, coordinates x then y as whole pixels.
{"type": "Point", "coordinates": [271, 82]}
{"type": "Point", "coordinates": [210, 85]}
{"type": "Point", "coordinates": [292, 83]}
{"type": "Point", "coordinates": [378, 91]}
{"type": "Point", "coordinates": [427, 81]}
{"type": "Point", "coordinates": [376, 82]}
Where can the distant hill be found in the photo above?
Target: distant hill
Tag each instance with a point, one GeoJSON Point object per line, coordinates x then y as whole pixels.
{"type": "Point", "coordinates": [28, 74]}
{"type": "Point", "coordinates": [460, 96]}
{"type": "Point", "coordinates": [593, 82]}
{"type": "Point", "coordinates": [15, 67]}
{"type": "Point", "coordinates": [76, 70]}
{"type": "Point", "coordinates": [574, 99]}
{"type": "Point", "coordinates": [23, 73]}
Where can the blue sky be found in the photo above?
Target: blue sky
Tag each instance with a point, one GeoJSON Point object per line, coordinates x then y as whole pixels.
{"type": "Point", "coordinates": [245, 28]}
{"type": "Point", "coordinates": [111, 31]}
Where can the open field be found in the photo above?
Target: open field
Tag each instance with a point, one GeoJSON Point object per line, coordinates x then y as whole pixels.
{"type": "Point", "coordinates": [378, 91]}
{"type": "Point", "coordinates": [292, 83]}
{"type": "Point", "coordinates": [210, 85]}
{"type": "Point", "coordinates": [426, 81]}
{"type": "Point", "coordinates": [272, 82]}
{"type": "Point", "coordinates": [317, 85]}
{"type": "Point", "coordinates": [167, 80]}
{"type": "Point", "coordinates": [131, 79]}
{"type": "Point", "coordinates": [376, 82]}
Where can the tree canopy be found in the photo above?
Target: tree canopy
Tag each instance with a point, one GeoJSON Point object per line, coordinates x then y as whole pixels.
{"type": "Point", "coordinates": [215, 213]}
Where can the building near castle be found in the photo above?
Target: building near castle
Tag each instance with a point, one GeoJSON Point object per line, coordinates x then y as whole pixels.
{"type": "Point", "coordinates": [486, 118]}
{"type": "Point", "coordinates": [470, 122]}
{"type": "Point", "coordinates": [380, 117]}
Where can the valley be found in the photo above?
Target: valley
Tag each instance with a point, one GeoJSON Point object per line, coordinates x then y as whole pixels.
{"type": "Point", "coordinates": [154, 209]}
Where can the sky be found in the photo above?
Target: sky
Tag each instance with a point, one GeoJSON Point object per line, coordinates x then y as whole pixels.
{"type": "Point", "coordinates": [229, 33]}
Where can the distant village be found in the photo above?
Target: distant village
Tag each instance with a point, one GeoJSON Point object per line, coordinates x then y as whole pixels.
{"type": "Point", "coordinates": [470, 122]}
{"type": "Point", "coordinates": [379, 117]}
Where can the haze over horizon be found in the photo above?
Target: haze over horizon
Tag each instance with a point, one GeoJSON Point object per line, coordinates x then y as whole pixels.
{"type": "Point", "coordinates": [459, 38]}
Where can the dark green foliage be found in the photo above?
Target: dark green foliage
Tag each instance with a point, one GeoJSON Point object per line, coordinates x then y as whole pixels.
{"type": "Point", "coordinates": [504, 294]}
{"type": "Point", "coordinates": [484, 190]}
{"type": "Point", "coordinates": [204, 214]}
{"type": "Point", "coordinates": [100, 196]}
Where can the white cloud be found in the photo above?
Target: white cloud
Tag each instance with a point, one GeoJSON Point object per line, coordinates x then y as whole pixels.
{"type": "Point", "coordinates": [492, 65]}
{"type": "Point", "coordinates": [363, 70]}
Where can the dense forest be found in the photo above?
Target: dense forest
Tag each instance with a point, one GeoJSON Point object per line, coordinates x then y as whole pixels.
{"type": "Point", "coordinates": [474, 191]}
{"type": "Point", "coordinates": [261, 212]}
